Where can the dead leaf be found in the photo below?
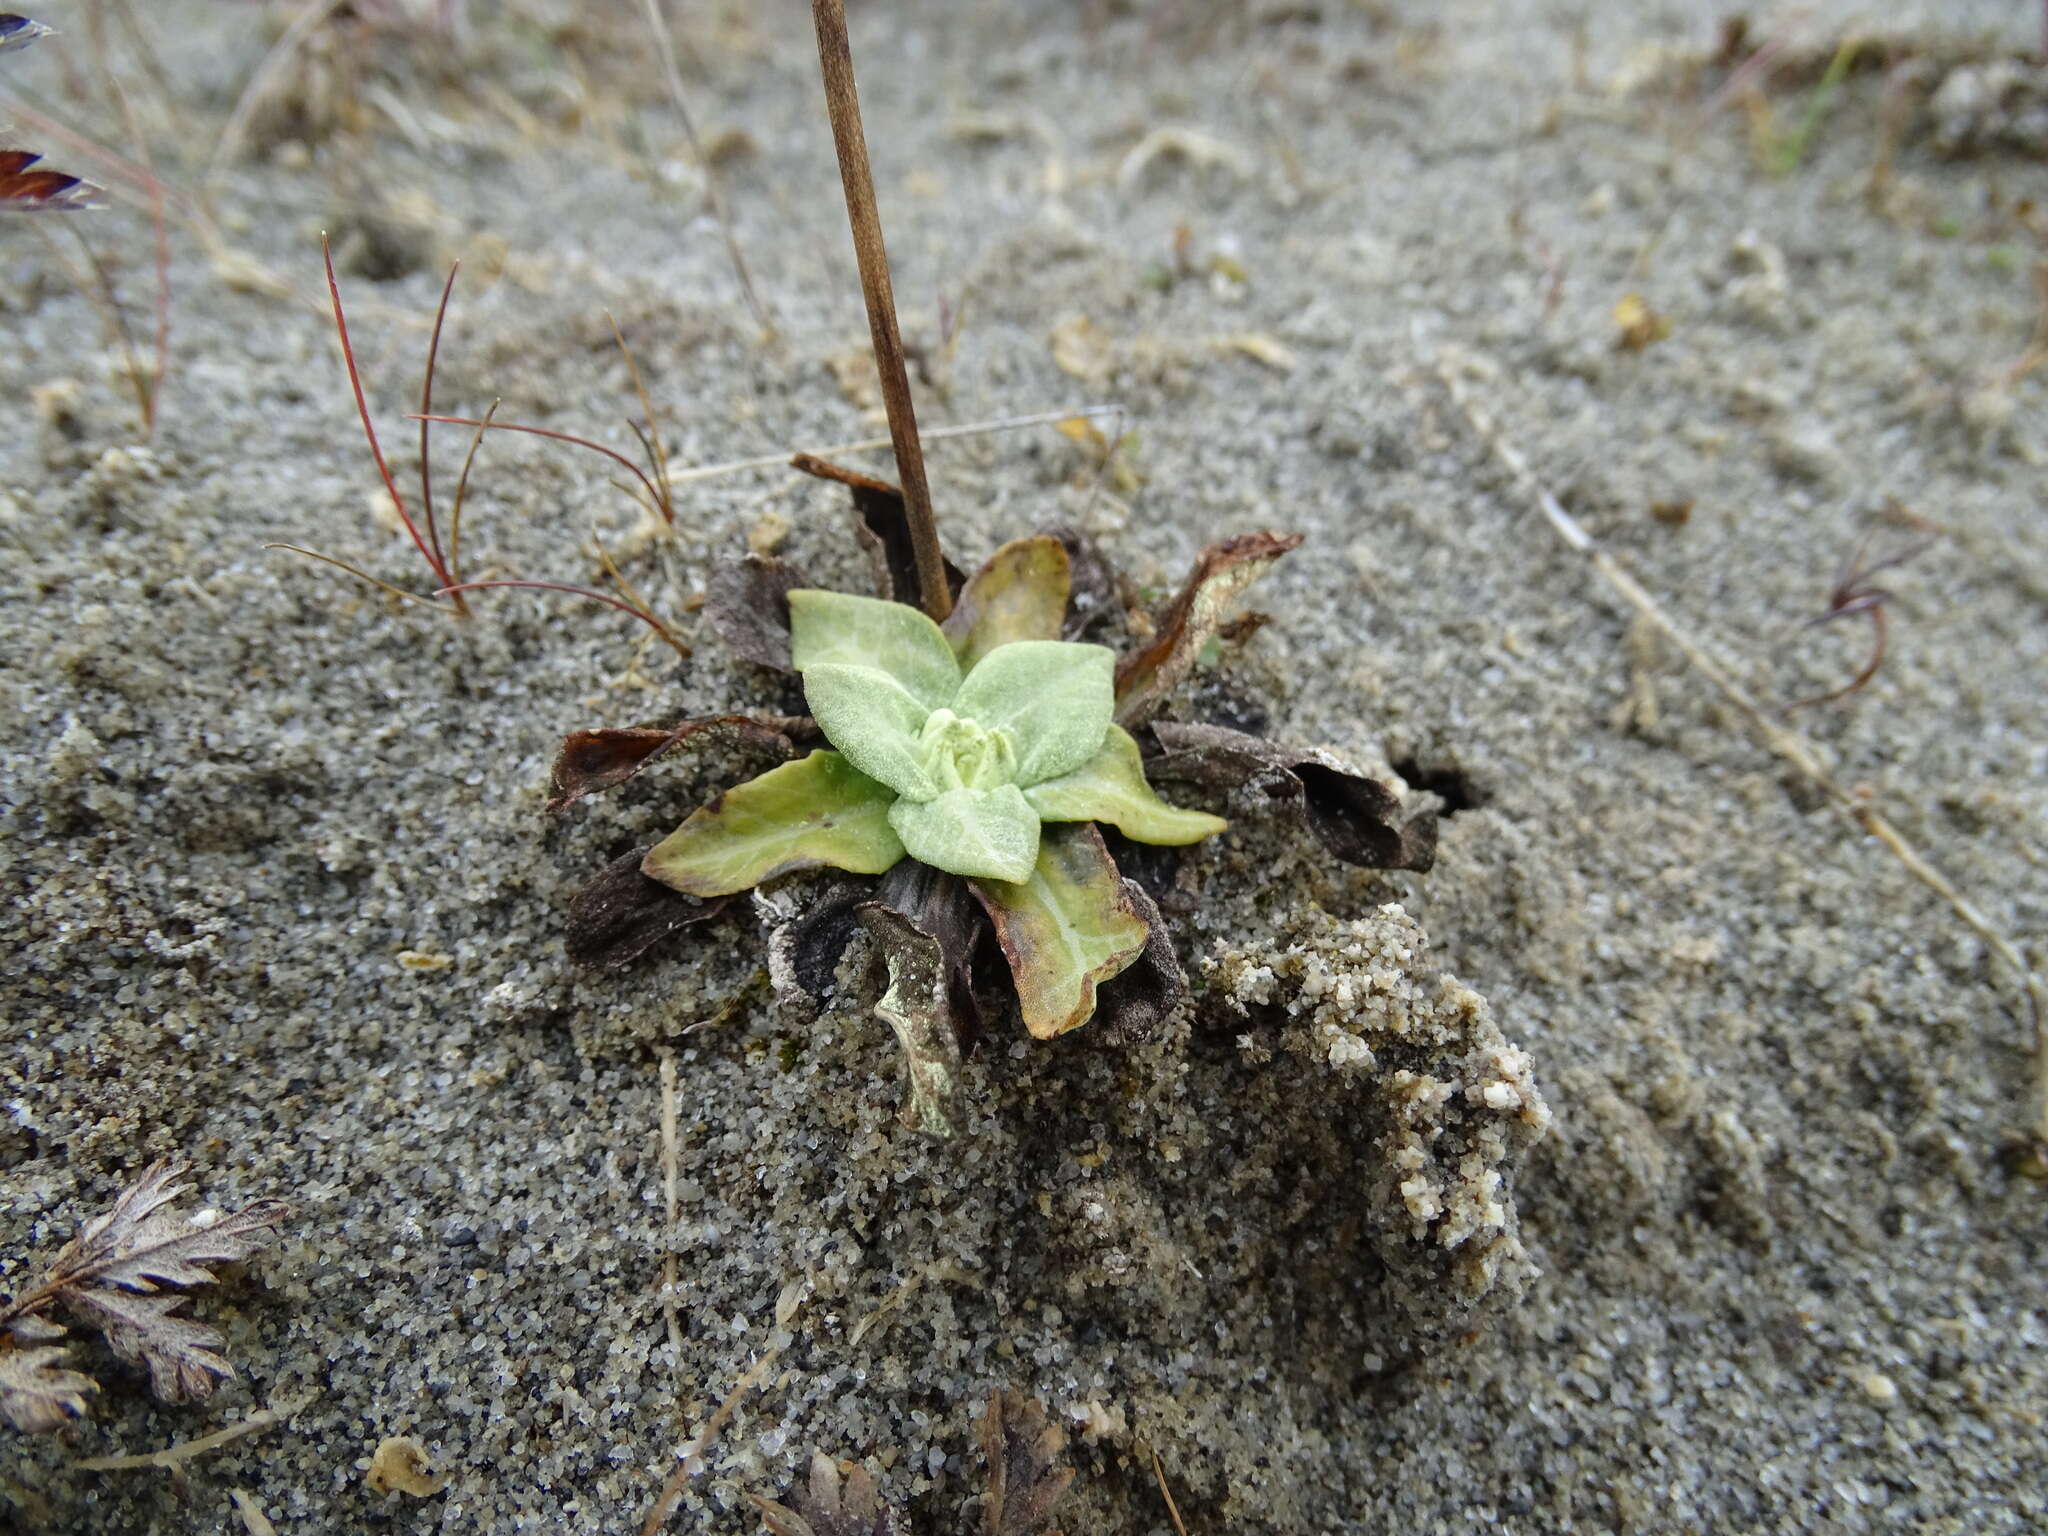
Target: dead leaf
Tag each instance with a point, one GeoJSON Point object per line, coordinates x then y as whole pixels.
{"type": "Point", "coordinates": [1025, 1478]}
{"type": "Point", "coordinates": [810, 921]}
{"type": "Point", "coordinates": [35, 1396]}
{"type": "Point", "coordinates": [746, 604]}
{"type": "Point", "coordinates": [1083, 348]}
{"type": "Point", "coordinates": [883, 528]}
{"type": "Point", "coordinates": [1638, 324]}
{"type": "Point", "coordinates": [1261, 348]}
{"type": "Point", "coordinates": [111, 1276]}
{"type": "Point", "coordinates": [1066, 930]}
{"type": "Point", "coordinates": [1224, 570]}
{"type": "Point", "coordinates": [1356, 817]}
{"type": "Point", "coordinates": [924, 925]}
{"type": "Point", "coordinates": [1020, 594]}
{"type": "Point", "coordinates": [621, 914]}
{"type": "Point", "coordinates": [838, 1501]}
{"type": "Point", "coordinates": [592, 761]}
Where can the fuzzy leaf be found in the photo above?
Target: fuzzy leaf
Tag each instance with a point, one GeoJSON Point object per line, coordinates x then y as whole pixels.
{"type": "Point", "coordinates": [923, 923]}
{"type": "Point", "coordinates": [1197, 612]}
{"type": "Point", "coordinates": [818, 810]}
{"type": "Point", "coordinates": [991, 834]}
{"type": "Point", "coordinates": [1065, 930]}
{"type": "Point", "coordinates": [34, 1395]}
{"type": "Point", "coordinates": [1111, 787]}
{"type": "Point", "coordinates": [839, 629]}
{"type": "Point", "coordinates": [1021, 594]}
{"type": "Point", "coordinates": [180, 1353]}
{"type": "Point", "coordinates": [1055, 699]}
{"type": "Point", "coordinates": [875, 721]}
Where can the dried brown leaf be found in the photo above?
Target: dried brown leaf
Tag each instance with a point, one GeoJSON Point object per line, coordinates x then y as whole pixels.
{"type": "Point", "coordinates": [1135, 1003]}
{"type": "Point", "coordinates": [35, 1396]}
{"type": "Point", "coordinates": [1025, 1479]}
{"type": "Point", "coordinates": [746, 604]}
{"type": "Point", "coordinates": [184, 1366]}
{"type": "Point", "coordinates": [1224, 570]}
{"type": "Point", "coordinates": [138, 1244]}
{"type": "Point", "coordinates": [1357, 818]}
{"type": "Point", "coordinates": [882, 524]}
{"type": "Point", "coordinates": [109, 1275]}
{"type": "Point", "coordinates": [592, 761]}
{"type": "Point", "coordinates": [838, 1501]}
{"type": "Point", "coordinates": [622, 913]}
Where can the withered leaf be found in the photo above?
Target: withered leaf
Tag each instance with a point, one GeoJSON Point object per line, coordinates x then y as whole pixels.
{"type": "Point", "coordinates": [1065, 930]}
{"type": "Point", "coordinates": [810, 921]}
{"type": "Point", "coordinates": [882, 525]}
{"type": "Point", "coordinates": [591, 761]}
{"type": "Point", "coordinates": [110, 1276]}
{"type": "Point", "coordinates": [1020, 594]}
{"type": "Point", "coordinates": [181, 1354]}
{"type": "Point", "coordinates": [1136, 1002]}
{"type": "Point", "coordinates": [139, 1245]}
{"type": "Point", "coordinates": [1357, 818]}
{"type": "Point", "coordinates": [1203, 605]}
{"type": "Point", "coordinates": [1096, 597]}
{"type": "Point", "coordinates": [35, 1396]}
{"type": "Point", "coordinates": [835, 1503]}
{"type": "Point", "coordinates": [621, 914]}
{"type": "Point", "coordinates": [1025, 1478]}
{"type": "Point", "coordinates": [746, 604]}
{"type": "Point", "coordinates": [924, 924]}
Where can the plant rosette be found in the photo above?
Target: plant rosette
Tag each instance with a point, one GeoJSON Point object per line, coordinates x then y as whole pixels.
{"type": "Point", "coordinates": [956, 775]}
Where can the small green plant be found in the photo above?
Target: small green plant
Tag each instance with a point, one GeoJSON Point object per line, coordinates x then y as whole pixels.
{"type": "Point", "coordinates": [954, 767]}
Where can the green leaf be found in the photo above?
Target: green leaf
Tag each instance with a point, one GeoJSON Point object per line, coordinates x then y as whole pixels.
{"type": "Point", "coordinates": [1021, 594]}
{"type": "Point", "coordinates": [1066, 930]}
{"type": "Point", "coordinates": [870, 717]}
{"type": "Point", "coordinates": [989, 833]}
{"type": "Point", "coordinates": [817, 810]}
{"type": "Point", "coordinates": [1111, 787]}
{"type": "Point", "coordinates": [839, 629]}
{"type": "Point", "coordinates": [1053, 697]}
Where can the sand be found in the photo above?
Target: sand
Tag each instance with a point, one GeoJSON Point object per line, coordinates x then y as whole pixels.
{"type": "Point", "coordinates": [1700, 1094]}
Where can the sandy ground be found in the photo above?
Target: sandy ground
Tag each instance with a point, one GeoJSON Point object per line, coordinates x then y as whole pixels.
{"type": "Point", "coordinates": [285, 899]}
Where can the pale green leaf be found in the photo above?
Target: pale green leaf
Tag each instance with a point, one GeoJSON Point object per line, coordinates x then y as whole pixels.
{"type": "Point", "coordinates": [1054, 698]}
{"type": "Point", "coordinates": [839, 629]}
{"type": "Point", "coordinates": [869, 716]}
{"type": "Point", "coordinates": [990, 833]}
{"type": "Point", "coordinates": [816, 810]}
{"type": "Point", "coordinates": [1021, 594]}
{"type": "Point", "coordinates": [1111, 787]}
{"type": "Point", "coordinates": [1066, 930]}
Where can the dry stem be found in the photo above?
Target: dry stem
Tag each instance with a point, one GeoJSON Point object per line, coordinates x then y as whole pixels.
{"type": "Point", "coordinates": [842, 101]}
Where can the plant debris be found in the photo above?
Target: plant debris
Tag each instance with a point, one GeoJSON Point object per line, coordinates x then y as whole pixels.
{"type": "Point", "coordinates": [110, 1277]}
